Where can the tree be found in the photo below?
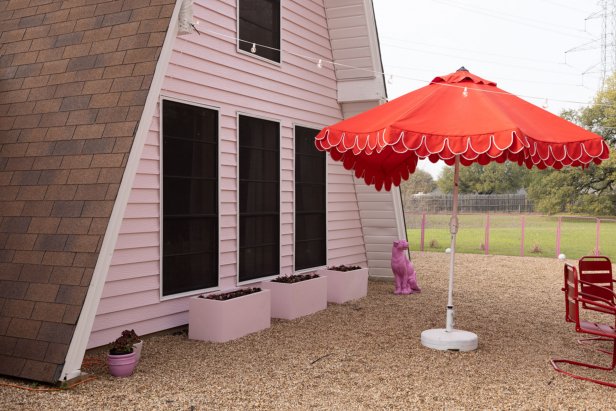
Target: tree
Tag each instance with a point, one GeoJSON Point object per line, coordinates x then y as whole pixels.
{"type": "Point", "coordinates": [591, 190]}
{"type": "Point", "coordinates": [418, 182]}
{"type": "Point", "coordinates": [600, 117]}
{"type": "Point", "coordinates": [493, 178]}
{"type": "Point", "coordinates": [588, 190]}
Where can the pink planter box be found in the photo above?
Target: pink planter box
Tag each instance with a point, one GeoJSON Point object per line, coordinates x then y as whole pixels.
{"type": "Point", "coordinates": [343, 286]}
{"type": "Point", "coordinates": [293, 300]}
{"type": "Point", "coordinates": [220, 321]}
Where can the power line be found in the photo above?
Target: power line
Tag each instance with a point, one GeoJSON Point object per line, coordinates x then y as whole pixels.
{"type": "Point", "coordinates": [508, 56]}
{"type": "Point", "coordinates": [523, 67]}
{"type": "Point", "coordinates": [513, 19]}
{"type": "Point", "coordinates": [555, 3]}
{"type": "Point", "coordinates": [320, 61]}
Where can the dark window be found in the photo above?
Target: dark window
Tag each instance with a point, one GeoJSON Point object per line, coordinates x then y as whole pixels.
{"type": "Point", "coordinates": [259, 169]}
{"type": "Point", "coordinates": [190, 198]}
{"type": "Point", "coordinates": [310, 212]}
{"type": "Point", "coordinates": [259, 24]}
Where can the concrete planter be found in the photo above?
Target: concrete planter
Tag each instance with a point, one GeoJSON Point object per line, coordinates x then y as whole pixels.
{"type": "Point", "coordinates": [343, 286]}
{"type": "Point", "coordinates": [220, 321]}
{"type": "Point", "coordinates": [293, 300]}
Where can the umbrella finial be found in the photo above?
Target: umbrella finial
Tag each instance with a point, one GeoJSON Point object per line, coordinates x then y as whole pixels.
{"type": "Point", "coordinates": [462, 69]}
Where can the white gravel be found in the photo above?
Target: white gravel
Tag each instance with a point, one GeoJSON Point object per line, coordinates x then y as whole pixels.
{"type": "Point", "coordinates": [367, 354]}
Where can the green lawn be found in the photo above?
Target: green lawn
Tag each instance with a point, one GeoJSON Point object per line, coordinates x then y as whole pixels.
{"type": "Point", "coordinates": [577, 234]}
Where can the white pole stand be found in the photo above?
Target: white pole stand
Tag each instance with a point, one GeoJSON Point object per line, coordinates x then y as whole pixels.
{"type": "Point", "coordinates": [449, 338]}
{"type": "Point", "coordinates": [454, 340]}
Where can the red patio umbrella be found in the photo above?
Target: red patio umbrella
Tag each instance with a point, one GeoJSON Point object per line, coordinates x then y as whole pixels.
{"type": "Point", "coordinates": [459, 118]}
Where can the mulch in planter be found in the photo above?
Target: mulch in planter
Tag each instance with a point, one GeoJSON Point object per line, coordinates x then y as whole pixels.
{"type": "Point", "coordinates": [344, 268]}
{"type": "Point", "coordinates": [295, 278]}
{"type": "Point", "coordinates": [231, 294]}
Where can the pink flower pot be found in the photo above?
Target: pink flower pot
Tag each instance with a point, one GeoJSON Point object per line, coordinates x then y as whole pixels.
{"type": "Point", "coordinates": [293, 300]}
{"type": "Point", "coordinates": [220, 321]}
{"type": "Point", "coordinates": [122, 365]}
{"type": "Point", "coordinates": [343, 286]}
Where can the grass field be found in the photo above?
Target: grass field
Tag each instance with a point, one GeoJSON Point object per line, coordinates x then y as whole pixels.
{"type": "Point", "coordinates": [577, 234]}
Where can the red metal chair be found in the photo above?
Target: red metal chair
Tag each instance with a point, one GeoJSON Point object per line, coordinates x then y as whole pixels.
{"type": "Point", "coordinates": [574, 299]}
{"type": "Point", "coordinates": [596, 279]}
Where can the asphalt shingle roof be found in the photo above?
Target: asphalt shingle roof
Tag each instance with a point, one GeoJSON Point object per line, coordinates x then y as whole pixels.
{"type": "Point", "coordinates": [74, 76]}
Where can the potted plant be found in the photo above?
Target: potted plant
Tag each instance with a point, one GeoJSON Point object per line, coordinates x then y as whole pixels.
{"type": "Point", "coordinates": [229, 315]}
{"type": "Point", "coordinates": [297, 295]}
{"type": "Point", "coordinates": [121, 358]}
{"type": "Point", "coordinates": [345, 283]}
{"type": "Point", "coordinates": [135, 340]}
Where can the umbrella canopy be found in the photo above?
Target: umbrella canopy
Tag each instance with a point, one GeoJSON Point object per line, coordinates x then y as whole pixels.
{"type": "Point", "coordinates": [462, 115]}
{"type": "Point", "coordinates": [459, 118]}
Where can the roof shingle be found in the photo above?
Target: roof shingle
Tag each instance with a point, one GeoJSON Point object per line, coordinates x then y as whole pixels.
{"type": "Point", "coordinates": [74, 76]}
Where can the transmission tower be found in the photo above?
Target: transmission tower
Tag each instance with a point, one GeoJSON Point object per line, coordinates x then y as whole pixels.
{"type": "Point", "coordinates": [606, 42]}
{"type": "Point", "coordinates": [608, 39]}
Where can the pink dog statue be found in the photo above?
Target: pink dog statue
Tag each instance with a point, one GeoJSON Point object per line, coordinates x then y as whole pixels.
{"type": "Point", "coordinates": [406, 279]}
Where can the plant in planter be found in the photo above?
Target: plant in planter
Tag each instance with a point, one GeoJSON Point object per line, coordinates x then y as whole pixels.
{"type": "Point", "coordinates": [121, 358]}
{"type": "Point", "coordinates": [135, 340]}
{"type": "Point", "coordinates": [229, 315]}
{"type": "Point", "coordinates": [345, 283]}
{"type": "Point", "coordinates": [231, 294]}
{"type": "Point", "coordinates": [297, 295]}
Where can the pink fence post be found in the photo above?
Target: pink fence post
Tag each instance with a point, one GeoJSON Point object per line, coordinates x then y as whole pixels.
{"type": "Point", "coordinates": [487, 234]}
{"type": "Point", "coordinates": [597, 252]}
{"type": "Point", "coordinates": [423, 230]}
{"type": "Point", "coordinates": [558, 237]}
{"type": "Point", "coordinates": [522, 239]}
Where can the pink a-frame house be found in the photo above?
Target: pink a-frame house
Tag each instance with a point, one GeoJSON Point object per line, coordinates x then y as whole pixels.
{"type": "Point", "coordinates": [141, 165]}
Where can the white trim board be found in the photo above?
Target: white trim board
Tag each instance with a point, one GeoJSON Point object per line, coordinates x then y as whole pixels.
{"type": "Point", "coordinates": [77, 347]}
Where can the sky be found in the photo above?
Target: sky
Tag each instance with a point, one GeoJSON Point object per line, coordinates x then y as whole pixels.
{"type": "Point", "coordinates": [545, 51]}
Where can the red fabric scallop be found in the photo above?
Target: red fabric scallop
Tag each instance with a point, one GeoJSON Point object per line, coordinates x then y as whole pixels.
{"type": "Point", "coordinates": [459, 114]}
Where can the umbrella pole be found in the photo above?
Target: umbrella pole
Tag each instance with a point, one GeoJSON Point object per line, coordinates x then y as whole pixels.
{"type": "Point", "coordinates": [453, 230]}
{"type": "Point", "coordinates": [449, 338]}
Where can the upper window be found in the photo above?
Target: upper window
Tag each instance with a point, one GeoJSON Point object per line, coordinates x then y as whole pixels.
{"type": "Point", "coordinates": [259, 28]}
{"type": "Point", "coordinates": [190, 198]}
{"type": "Point", "coordinates": [259, 198]}
{"type": "Point", "coordinates": [310, 201]}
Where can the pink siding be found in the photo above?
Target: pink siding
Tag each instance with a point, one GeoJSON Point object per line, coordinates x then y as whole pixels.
{"type": "Point", "coordinates": [208, 70]}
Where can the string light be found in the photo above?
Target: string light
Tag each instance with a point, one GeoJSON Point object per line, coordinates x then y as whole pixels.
{"type": "Point", "coordinates": [376, 72]}
{"type": "Point", "coordinates": [465, 92]}
{"type": "Point", "coordinates": [390, 79]}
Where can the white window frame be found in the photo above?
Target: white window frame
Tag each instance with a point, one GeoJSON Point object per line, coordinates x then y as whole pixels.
{"type": "Point", "coordinates": [311, 269]}
{"type": "Point", "coordinates": [237, 225]}
{"type": "Point", "coordinates": [160, 201]}
{"type": "Point", "coordinates": [254, 55]}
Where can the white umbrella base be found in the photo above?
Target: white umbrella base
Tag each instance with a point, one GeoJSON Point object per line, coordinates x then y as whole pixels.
{"type": "Point", "coordinates": [454, 340]}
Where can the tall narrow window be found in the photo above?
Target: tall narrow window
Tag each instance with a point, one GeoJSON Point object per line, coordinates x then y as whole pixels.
{"type": "Point", "coordinates": [310, 201]}
{"type": "Point", "coordinates": [259, 28]}
{"type": "Point", "coordinates": [259, 197]}
{"type": "Point", "coordinates": [190, 198]}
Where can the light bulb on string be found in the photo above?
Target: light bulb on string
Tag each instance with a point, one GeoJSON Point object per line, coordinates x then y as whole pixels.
{"type": "Point", "coordinates": [390, 79]}
{"type": "Point", "coordinates": [320, 63]}
{"type": "Point", "coordinates": [253, 49]}
{"type": "Point", "coordinates": [465, 92]}
{"type": "Point", "coordinates": [545, 104]}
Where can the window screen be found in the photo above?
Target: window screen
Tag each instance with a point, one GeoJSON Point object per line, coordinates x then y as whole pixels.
{"type": "Point", "coordinates": [259, 23]}
{"type": "Point", "coordinates": [310, 201]}
{"type": "Point", "coordinates": [259, 197]}
{"type": "Point", "coordinates": [190, 198]}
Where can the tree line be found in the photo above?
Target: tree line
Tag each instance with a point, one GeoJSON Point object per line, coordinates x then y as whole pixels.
{"type": "Point", "coordinates": [589, 190]}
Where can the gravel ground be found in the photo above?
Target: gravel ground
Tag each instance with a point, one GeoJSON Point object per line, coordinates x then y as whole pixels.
{"type": "Point", "coordinates": [367, 354]}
